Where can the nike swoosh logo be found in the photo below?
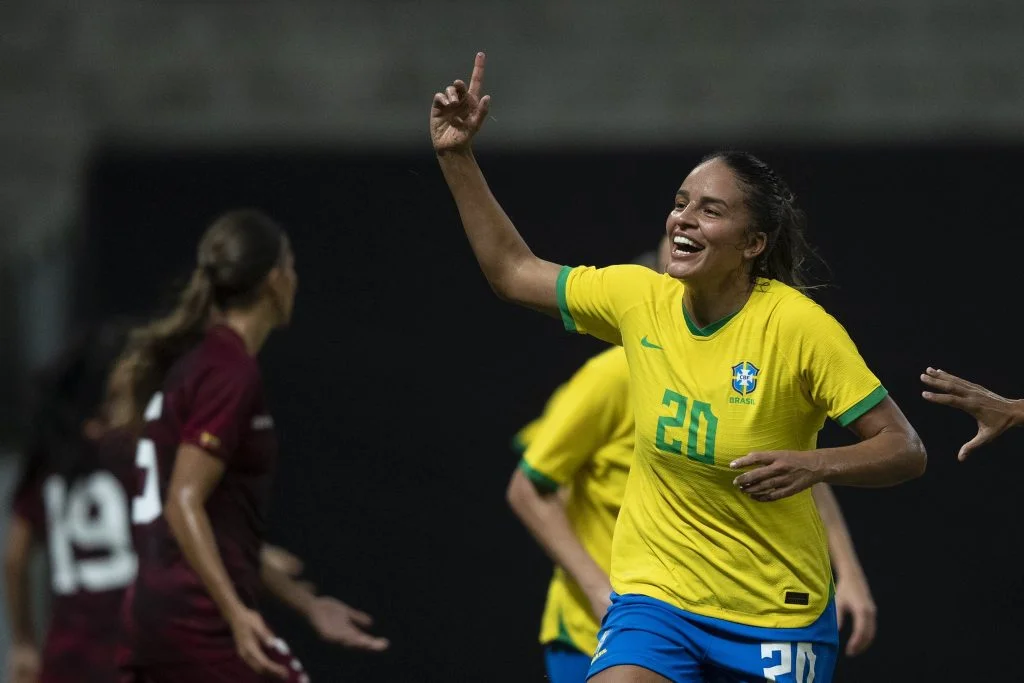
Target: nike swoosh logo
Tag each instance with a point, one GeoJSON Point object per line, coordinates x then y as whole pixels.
{"type": "Point", "coordinates": [649, 345]}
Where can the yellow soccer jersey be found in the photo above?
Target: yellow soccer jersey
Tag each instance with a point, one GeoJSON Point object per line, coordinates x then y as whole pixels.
{"type": "Point", "coordinates": [583, 440]}
{"type": "Point", "coordinates": [762, 379]}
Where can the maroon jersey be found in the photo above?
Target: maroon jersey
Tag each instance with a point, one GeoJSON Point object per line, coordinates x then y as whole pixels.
{"type": "Point", "coordinates": [213, 399]}
{"type": "Point", "coordinates": [84, 521]}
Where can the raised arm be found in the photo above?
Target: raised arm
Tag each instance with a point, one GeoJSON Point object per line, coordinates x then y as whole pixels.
{"type": "Point", "coordinates": [512, 270]}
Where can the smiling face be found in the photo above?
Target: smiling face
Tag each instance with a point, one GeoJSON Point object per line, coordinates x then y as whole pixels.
{"type": "Point", "coordinates": [709, 227]}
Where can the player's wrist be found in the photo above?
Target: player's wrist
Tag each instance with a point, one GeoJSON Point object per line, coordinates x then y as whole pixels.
{"type": "Point", "coordinates": [464, 153]}
{"type": "Point", "coordinates": [236, 613]}
{"type": "Point", "coordinates": [1018, 413]}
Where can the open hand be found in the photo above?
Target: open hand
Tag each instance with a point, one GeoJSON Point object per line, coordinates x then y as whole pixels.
{"type": "Point", "coordinates": [251, 635]}
{"type": "Point", "coordinates": [993, 413]}
{"type": "Point", "coordinates": [777, 474]}
{"type": "Point", "coordinates": [337, 622]}
{"type": "Point", "coordinates": [458, 113]}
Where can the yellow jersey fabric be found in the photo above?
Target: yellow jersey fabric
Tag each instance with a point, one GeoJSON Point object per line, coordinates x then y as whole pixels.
{"type": "Point", "coordinates": [583, 441]}
{"type": "Point", "coordinates": [763, 379]}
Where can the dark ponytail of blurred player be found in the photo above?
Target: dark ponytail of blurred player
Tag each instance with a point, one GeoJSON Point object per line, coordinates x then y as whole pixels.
{"type": "Point", "coordinates": [236, 254]}
{"type": "Point", "coordinates": [72, 498]}
{"type": "Point", "coordinates": [207, 452]}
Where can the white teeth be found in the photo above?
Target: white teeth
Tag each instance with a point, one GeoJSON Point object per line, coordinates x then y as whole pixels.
{"type": "Point", "coordinates": [682, 239]}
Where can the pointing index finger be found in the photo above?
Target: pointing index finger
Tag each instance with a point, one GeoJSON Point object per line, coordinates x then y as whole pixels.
{"type": "Point", "coordinates": [476, 81]}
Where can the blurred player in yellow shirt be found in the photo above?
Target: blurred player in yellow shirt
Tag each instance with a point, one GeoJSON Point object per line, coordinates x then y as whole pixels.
{"type": "Point", "coordinates": [568, 489]}
{"type": "Point", "coordinates": [719, 558]}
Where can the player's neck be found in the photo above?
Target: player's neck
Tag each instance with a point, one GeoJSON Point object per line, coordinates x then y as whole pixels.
{"type": "Point", "coordinates": [707, 303]}
{"type": "Point", "coordinates": [252, 327]}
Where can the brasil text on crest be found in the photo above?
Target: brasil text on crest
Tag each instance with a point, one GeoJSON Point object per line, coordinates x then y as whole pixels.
{"type": "Point", "coordinates": [744, 382]}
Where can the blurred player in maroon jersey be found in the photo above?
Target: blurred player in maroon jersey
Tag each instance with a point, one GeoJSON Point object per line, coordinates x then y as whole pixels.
{"type": "Point", "coordinates": [206, 456]}
{"type": "Point", "coordinates": [73, 497]}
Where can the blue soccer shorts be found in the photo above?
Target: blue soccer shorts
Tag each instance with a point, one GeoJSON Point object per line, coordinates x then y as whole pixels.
{"type": "Point", "coordinates": [689, 648]}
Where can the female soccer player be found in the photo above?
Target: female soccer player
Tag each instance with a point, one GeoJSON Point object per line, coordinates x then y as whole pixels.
{"type": "Point", "coordinates": [993, 413]}
{"type": "Point", "coordinates": [207, 452]}
{"type": "Point", "coordinates": [569, 487]}
{"type": "Point", "coordinates": [73, 497]}
{"type": "Point", "coordinates": [719, 561]}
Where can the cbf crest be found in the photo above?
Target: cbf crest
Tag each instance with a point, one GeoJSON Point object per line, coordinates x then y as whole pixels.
{"type": "Point", "coordinates": [744, 378]}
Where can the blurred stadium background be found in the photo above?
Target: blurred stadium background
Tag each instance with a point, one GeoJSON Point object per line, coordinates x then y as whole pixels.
{"type": "Point", "coordinates": [129, 125]}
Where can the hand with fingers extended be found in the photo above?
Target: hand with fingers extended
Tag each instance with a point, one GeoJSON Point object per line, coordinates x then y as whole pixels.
{"type": "Point", "coordinates": [458, 113]}
{"type": "Point", "coordinates": [251, 636]}
{"type": "Point", "coordinates": [854, 601]}
{"type": "Point", "coordinates": [777, 474]}
{"type": "Point", "coordinates": [337, 622]}
{"type": "Point", "coordinates": [993, 413]}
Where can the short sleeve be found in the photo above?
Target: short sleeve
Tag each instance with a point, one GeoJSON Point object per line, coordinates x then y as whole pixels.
{"type": "Point", "coordinates": [581, 420]}
{"type": "Point", "coordinates": [221, 409]}
{"type": "Point", "coordinates": [594, 300]}
{"type": "Point", "coordinates": [832, 369]}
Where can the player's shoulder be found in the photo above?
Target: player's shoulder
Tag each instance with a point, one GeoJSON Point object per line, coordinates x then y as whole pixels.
{"type": "Point", "coordinates": [794, 315]}
{"type": "Point", "coordinates": [786, 303]}
{"type": "Point", "coordinates": [610, 363]}
{"type": "Point", "coordinates": [626, 275]}
{"type": "Point", "coordinates": [222, 353]}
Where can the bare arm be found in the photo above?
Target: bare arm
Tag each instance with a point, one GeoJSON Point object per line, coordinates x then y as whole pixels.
{"type": "Point", "coordinates": [278, 570]}
{"type": "Point", "coordinates": [889, 452]}
{"type": "Point", "coordinates": [840, 544]}
{"type": "Point", "coordinates": [333, 620]}
{"type": "Point", "coordinates": [196, 474]}
{"type": "Point", "coordinates": [544, 515]}
{"type": "Point", "coordinates": [513, 271]}
{"type": "Point", "coordinates": [24, 662]}
{"type": "Point", "coordinates": [853, 595]}
{"type": "Point", "coordinates": [17, 555]}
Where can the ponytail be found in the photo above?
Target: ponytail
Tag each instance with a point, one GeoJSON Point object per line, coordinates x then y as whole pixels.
{"type": "Point", "coordinates": [234, 256]}
{"type": "Point", "coordinates": [788, 255]}
{"type": "Point", "coordinates": [153, 348]}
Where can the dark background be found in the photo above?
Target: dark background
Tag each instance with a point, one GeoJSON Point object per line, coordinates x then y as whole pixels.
{"type": "Point", "coordinates": [402, 378]}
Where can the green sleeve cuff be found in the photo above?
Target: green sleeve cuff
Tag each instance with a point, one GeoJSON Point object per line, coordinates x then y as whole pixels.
{"type": "Point", "coordinates": [862, 406]}
{"type": "Point", "coordinates": [517, 444]}
{"type": "Point", "coordinates": [563, 305]}
{"type": "Point", "coordinates": [543, 482]}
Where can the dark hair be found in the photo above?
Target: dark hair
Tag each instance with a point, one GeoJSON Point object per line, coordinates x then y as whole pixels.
{"type": "Point", "coordinates": [234, 256]}
{"type": "Point", "coordinates": [67, 393]}
{"type": "Point", "coordinates": [787, 255]}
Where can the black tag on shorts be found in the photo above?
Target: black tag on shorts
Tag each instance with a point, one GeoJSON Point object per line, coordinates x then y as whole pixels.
{"type": "Point", "coordinates": [793, 598]}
